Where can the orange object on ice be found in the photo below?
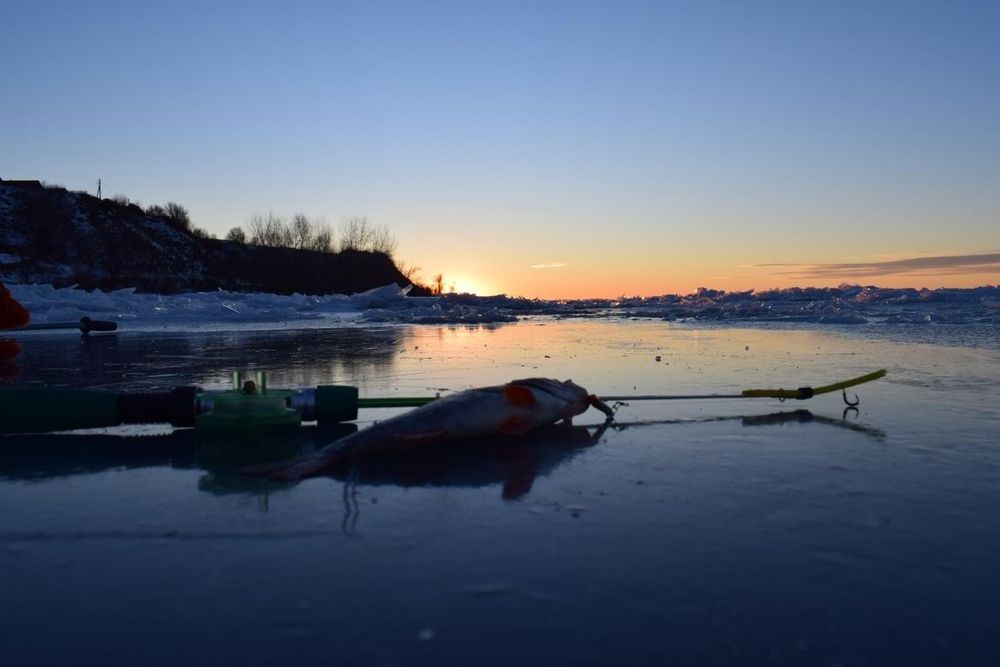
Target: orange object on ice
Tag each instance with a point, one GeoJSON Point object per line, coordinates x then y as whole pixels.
{"type": "Point", "coordinates": [12, 313]}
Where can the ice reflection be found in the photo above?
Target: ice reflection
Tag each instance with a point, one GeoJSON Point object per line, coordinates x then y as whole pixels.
{"type": "Point", "coordinates": [772, 419]}
{"type": "Point", "coordinates": [142, 361]}
{"type": "Point", "coordinates": [606, 357]}
{"type": "Point", "coordinates": [511, 463]}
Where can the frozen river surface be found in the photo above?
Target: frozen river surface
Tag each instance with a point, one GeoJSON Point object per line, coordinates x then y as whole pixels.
{"type": "Point", "coordinates": [687, 533]}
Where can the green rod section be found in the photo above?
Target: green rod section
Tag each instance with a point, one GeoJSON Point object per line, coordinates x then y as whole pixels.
{"type": "Point", "coordinates": [808, 392]}
{"type": "Point", "coordinates": [850, 383]}
{"type": "Point", "coordinates": [801, 393]}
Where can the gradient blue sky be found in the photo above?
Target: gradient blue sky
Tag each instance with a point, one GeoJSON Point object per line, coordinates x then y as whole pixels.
{"type": "Point", "coordinates": [635, 148]}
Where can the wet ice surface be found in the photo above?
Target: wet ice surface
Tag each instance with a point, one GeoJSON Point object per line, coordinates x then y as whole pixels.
{"type": "Point", "coordinates": [746, 530]}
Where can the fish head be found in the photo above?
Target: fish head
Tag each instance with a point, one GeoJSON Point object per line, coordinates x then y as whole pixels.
{"type": "Point", "coordinates": [567, 397]}
{"type": "Point", "coordinates": [572, 391]}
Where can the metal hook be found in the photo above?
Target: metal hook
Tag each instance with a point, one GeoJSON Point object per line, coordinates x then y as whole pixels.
{"type": "Point", "coordinates": [856, 402]}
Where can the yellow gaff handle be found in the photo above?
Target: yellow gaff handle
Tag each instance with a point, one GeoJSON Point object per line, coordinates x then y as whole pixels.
{"type": "Point", "coordinates": [803, 393]}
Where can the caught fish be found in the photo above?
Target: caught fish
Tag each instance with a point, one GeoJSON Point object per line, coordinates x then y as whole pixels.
{"type": "Point", "coordinates": [511, 409]}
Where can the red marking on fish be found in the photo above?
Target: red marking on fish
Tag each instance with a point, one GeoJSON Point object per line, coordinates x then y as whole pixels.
{"type": "Point", "coordinates": [519, 395]}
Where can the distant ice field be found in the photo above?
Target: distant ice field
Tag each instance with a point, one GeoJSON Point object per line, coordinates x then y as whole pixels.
{"type": "Point", "coordinates": [963, 317]}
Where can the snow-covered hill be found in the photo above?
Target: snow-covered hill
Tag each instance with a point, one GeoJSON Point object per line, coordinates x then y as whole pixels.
{"type": "Point", "coordinates": [54, 236]}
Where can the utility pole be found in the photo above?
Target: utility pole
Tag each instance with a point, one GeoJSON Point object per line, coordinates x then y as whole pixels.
{"type": "Point", "coordinates": [98, 188]}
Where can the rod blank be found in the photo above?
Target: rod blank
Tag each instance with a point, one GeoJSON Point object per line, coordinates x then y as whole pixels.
{"type": "Point", "coordinates": [85, 325]}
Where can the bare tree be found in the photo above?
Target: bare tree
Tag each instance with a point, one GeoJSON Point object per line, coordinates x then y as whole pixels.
{"type": "Point", "coordinates": [322, 240]}
{"type": "Point", "coordinates": [383, 241]}
{"type": "Point", "coordinates": [355, 233]}
{"type": "Point", "coordinates": [178, 215]}
{"type": "Point", "coordinates": [301, 231]}
{"type": "Point", "coordinates": [259, 228]}
{"type": "Point", "coordinates": [269, 230]}
{"type": "Point", "coordinates": [200, 233]}
{"type": "Point", "coordinates": [437, 287]}
{"type": "Point", "coordinates": [237, 235]}
{"type": "Point", "coordinates": [156, 210]}
{"type": "Point", "coordinates": [358, 233]}
{"type": "Point", "coordinates": [409, 271]}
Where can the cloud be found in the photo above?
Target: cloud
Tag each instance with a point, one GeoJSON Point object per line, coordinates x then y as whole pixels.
{"type": "Point", "coordinates": [941, 265]}
{"type": "Point", "coordinates": [548, 265]}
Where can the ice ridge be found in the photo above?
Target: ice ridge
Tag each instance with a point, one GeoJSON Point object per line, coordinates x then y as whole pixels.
{"type": "Point", "coordinates": [846, 304]}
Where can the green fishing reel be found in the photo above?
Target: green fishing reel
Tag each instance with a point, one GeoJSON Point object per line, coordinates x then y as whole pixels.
{"type": "Point", "coordinates": [251, 406]}
{"type": "Point", "coordinates": [247, 406]}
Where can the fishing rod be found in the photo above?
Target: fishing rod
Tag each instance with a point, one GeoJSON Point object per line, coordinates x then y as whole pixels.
{"type": "Point", "coordinates": [85, 325]}
{"type": "Point", "coordinates": [801, 394]}
{"type": "Point", "coordinates": [250, 405]}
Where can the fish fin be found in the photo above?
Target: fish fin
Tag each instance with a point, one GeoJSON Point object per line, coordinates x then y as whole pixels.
{"type": "Point", "coordinates": [519, 395]}
{"type": "Point", "coordinates": [301, 468]}
{"type": "Point", "coordinates": [515, 425]}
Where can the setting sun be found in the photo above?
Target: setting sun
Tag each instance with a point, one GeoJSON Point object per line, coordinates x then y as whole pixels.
{"type": "Point", "coordinates": [461, 284]}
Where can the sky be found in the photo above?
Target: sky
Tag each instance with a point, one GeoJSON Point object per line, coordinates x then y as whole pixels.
{"type": "Point", "coordinates": [544, 149]}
